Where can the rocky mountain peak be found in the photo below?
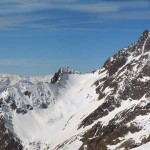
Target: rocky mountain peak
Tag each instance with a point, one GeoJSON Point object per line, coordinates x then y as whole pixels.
{"type": "Point", "coordinates": [134, 52]}
{"type": "Point", "coordinates": [127, 80]}
{"type": "Point", "coordinates": [145, 33]}
{"type": "Point", "coordinates": [61, 72]}
{"type": "Point", "coordinates": [144, 42]}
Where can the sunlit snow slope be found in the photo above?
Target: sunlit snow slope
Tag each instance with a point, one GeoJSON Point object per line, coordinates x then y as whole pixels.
{"type": "Point", "coordinates": [59, 121]}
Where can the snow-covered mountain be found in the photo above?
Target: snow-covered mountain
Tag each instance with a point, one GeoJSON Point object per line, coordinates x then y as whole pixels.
{"type": "Point", "coordinates": [104, 110]}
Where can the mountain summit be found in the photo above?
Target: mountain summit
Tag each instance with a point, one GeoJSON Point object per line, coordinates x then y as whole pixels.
{"type": "Point", "coordinates": [64, 70]}
{"type": "Point", "coordinates": [105, 110]}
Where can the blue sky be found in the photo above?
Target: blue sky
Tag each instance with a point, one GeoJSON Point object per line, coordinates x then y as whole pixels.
{"type": "Point", "coordinates": [37, 37]}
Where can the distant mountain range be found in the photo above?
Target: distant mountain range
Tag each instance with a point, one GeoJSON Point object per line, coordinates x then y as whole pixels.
{"type": "Point", "coordinates": [108, 109]}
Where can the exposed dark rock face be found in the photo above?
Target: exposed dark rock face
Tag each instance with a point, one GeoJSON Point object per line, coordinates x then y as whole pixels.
{"type": "Point", "coordinates": [99, 137]}
{"type": "Point", "coordinates": [44, 106]}
{"type": "Point", "coordinates": [7, 141]}
{"type": "Point", "coordinates": [118, 61]}
{"type": "Point", "coordinates": [56, 77]}
{"type": "Point", "coordinates": [27, 93]}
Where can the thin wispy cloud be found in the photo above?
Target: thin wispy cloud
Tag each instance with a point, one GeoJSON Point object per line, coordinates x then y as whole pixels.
{"type": "Point", "coordinates": [136, 15]}
{"type": "Point", "coordinates": [51, 14]}
{"type": "Point", "coordinates": [25, 7]}
{"type": "Point", "coordinates": [31, 6]}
